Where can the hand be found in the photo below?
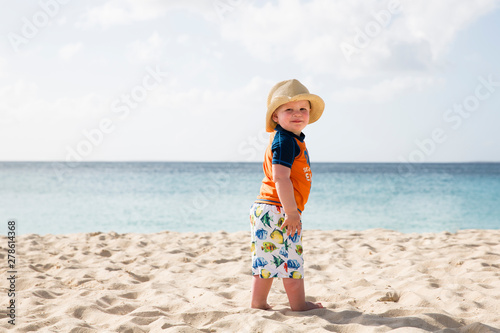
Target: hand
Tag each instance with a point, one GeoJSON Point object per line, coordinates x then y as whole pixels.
{"type": "Point", "coordinates": [292, 224]}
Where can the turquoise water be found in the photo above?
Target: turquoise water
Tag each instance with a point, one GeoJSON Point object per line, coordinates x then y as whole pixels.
{"type": "Point", "coordinates": [150, 197]}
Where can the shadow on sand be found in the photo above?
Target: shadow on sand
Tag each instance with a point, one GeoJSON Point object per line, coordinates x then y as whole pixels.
{"type": "Point", "coordinates": [340, 321]}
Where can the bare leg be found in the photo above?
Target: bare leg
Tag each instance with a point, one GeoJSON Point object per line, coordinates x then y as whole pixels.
{"type": "Point", "coordinates": [260, 290]}
{"type": "Point", "coordinates": [296, 295]}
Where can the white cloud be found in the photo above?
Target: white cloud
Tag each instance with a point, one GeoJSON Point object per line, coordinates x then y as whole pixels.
{"type": "Point", "coordinates": [147, 50]}
{"type": "Point", "coordinates": [68, 51]}
{"type": "Point", "coordinates": [122, 12]}
{"type": "Point", "coordinates": [25, 102]}
{"type": "Point", "coordinates": [62, 21]}
{"type": "Point", "coordinates": [203, 90]}
{"type": "Point", "coordinates": [195, 101]}
{"type": "Point", "coordinates": [184, 39]}
{"type": "Point", "coordinates": [386, 90]}
{"type": "Point", "coordinates": [13, 98]}
{"type": "Point", "coordinates": [116, 13]}
{"type": "Point", "coordinates": [236, 113]}
{"type": "Point", "coordinates": [3, 66]}
{"type": "Point", "coordinates": [310, 33]}
{"type": "Point", "coordinates": [39, 127]}
{"type": "Point", "coordinates": [162, 119]}
{"type": "Point", "coordinates": [438, 22]}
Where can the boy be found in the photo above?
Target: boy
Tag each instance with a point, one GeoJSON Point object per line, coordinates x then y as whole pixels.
{"type": "Point", "coordinates": [275, 215]}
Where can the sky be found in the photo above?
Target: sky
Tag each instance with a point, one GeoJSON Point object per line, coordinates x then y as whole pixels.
{"type": "Point", "coordinates": [159, 80]}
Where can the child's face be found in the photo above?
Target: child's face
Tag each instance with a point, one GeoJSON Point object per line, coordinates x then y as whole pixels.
{"type": "Point", "coordinates": [293, 116]}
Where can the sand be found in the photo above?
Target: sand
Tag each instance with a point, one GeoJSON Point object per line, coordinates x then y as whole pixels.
{"type": "Point", "coordinates": [370, 281]}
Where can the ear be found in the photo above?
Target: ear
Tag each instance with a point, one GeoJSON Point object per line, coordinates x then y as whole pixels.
{"type": "Point", "coordinates": [274, 117]}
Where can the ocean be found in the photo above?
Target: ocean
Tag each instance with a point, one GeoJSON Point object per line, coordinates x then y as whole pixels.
{"type": "Point", "coordinates": [146, 197]}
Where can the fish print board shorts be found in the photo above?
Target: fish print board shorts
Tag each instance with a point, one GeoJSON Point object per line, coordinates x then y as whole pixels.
{"type": "Point", "coordinates": [274, 254]}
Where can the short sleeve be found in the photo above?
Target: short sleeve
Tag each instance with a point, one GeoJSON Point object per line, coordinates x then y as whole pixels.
{"type": "Point", "coordinates": [284, 149]}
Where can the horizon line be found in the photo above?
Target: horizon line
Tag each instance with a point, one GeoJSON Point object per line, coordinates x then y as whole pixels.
{"type": "Point", "coordinates": [180, 161]}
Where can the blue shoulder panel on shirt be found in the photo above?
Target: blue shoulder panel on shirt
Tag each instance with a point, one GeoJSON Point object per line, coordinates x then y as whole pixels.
{"type": "Point", "coordinates": [285, 149]}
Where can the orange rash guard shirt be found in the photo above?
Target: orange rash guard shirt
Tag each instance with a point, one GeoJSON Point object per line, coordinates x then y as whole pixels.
{"type": "Point", "coordinates": [287, 149]}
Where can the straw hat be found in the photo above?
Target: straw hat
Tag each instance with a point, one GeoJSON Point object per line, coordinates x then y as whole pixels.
{"type": "Point", "coordinates": [291, 91]}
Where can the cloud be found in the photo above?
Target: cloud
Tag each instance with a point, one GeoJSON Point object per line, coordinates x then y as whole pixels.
{"type": "Point", "coordinates": [3, 66]}
{"type": "Point", "coordinates": [117, 13]}
{"type": "Point", "coordinates": [123, 12]}
{"type": "Point", "coordinates": [147, 50]}
{"type": "Point", "coordinates": [204, 101]}
{"type": "Point", "coordinates": [184, 39]}
{"type": "Point", "coordinates": [62, 21]}
{"type": "Point", "coordinates": [179, 119]}
{"type": "Point", "coordinates": [26, 102]}
{"type": "Point", "coordinates": [439, 22]}
{"type": "Point", "coordinates": [13, 99]}
{"type": "Point", "coordinates": [385, 90]}
{"type": "Point", "coordinates": [68, 51]}
{"type": "Point", "coordinates": [39, 127]}
{"type": "Point", "coordinates": [418, 33]}
{"type": "Point", "coordinates": [199, 117]}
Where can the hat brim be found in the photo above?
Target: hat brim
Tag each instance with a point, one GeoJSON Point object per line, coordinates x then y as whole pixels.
{"type": "Point", "coordinates": [317, 107]}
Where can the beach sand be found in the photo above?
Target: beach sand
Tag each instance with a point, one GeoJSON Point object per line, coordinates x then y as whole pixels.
{"type": "Point", "coordinates": [368, 281]}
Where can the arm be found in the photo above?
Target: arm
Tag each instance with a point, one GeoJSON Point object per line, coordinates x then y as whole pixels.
{"type": "Point", "coordinates": [284, 187]}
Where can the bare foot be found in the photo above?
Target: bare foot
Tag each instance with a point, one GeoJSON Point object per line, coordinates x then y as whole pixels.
{"type": "Point", "coordinates": [312, 306]}
{"type": "Point", "coordinates": [262, 307]}
{"type": "Point", "coordinates": [309, 306]}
